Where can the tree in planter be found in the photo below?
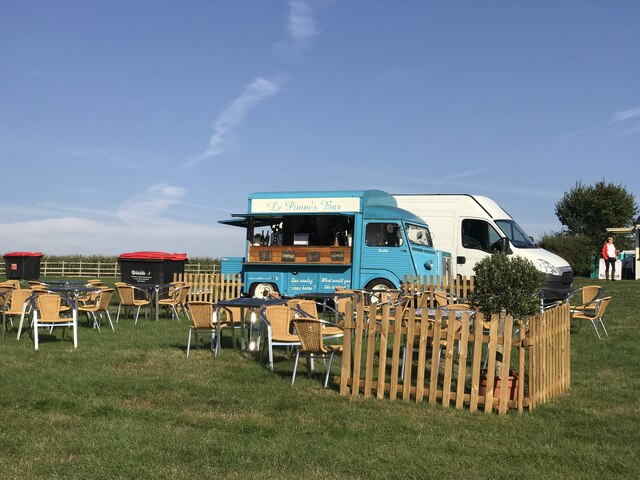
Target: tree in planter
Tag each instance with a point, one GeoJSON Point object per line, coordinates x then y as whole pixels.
{"type": "Point", "coordinates": [506, 286]}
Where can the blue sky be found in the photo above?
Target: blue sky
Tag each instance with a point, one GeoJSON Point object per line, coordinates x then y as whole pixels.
{"type": "Point", "coordinates": [137, 125]}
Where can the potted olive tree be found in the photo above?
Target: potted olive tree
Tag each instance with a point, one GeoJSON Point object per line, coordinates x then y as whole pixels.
{"type": "Point", "coordinates": [506, 286]}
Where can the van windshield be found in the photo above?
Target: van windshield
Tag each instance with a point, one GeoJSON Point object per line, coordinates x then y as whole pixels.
{"type": "Point", "coordinates": [516, 234]}
{"type": "Point", "coordinates": [419, 235]}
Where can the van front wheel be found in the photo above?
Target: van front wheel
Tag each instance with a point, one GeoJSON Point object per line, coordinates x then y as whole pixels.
{"type": "Point", "coordinates": [379, 284]}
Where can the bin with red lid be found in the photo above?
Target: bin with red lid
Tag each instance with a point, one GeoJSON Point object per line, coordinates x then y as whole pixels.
{"type": "Point", "coordinates": [145, 268]}
{"type": "Point", "coordinates": [22, 265]}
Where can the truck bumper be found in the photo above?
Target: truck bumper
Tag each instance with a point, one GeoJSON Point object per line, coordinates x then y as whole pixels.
{"type": "Point", "coordinates": [557, 287]}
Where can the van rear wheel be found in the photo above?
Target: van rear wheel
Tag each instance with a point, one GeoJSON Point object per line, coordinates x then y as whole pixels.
{"type": "Point", "coordinates": [262, 290]}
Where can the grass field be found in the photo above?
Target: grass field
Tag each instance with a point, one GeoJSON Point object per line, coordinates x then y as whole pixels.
{"type": "Point", "coordinates": [128, 404]}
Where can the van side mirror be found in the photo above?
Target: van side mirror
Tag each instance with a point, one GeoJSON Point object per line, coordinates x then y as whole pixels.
{"type": "Point", "coordinates": [501, 246]}
{"type": "Point", "coordinates": [504, 245]}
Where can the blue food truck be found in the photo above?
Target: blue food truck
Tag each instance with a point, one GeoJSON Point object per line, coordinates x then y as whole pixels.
{"type": "Point", "coordinates": [312, 242]}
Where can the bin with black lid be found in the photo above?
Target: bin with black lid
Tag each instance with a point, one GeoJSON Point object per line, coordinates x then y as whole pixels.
{"type": "Point", "coordinates": [22, 265]}
{"type": "Point", "coordinates": [145, 268]}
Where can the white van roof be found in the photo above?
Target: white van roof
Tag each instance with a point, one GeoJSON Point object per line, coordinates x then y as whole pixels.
{"type": "Point", "coordinates": [481, 204]}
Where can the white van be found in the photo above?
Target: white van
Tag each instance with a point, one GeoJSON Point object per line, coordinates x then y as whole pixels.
{"type": "Point", "coordinates": [472, 227]}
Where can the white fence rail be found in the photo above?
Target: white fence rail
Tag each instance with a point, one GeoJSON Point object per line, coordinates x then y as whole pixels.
{"type": "Point", "coordinates": [100, 269]}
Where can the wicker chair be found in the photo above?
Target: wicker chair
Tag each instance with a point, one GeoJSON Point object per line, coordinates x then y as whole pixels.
{"type": "Point", "coordinates": [201, 316]}
{"type": "Point", "coordinates": [17, 305]}
{"type": "Point", "coordinates": [5, 298]}
{"type": "Point", "coordinates": [91, 297]}
{"type": "Point", "coordinates": [589, 296]}
{"type": "Point", "coordinates": [100, 306]}
{"type": "Point", "coordinates": [176, 300]}
{"type": "Point", "coordinates": [12, 283]}
{"type": "Point", "coordinates": [47, 314]}
{"type": "Point", "coordinates": [304, 308]}
{"type": "Point", "coordinates": [311, 333]}
{"type": "Point", "coordinates": [594, 316]}
{"type": "Point", "coordinates": [129, 301]}
{"type": "Point", "coordinates": [277, 319]}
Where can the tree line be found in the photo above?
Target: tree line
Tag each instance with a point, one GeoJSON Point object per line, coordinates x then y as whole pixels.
{"type": "Point", "coordinates": [585, 213]}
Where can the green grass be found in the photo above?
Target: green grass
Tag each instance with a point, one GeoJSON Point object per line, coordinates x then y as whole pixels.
{"type": "Point", "coordinates": [129, 404]}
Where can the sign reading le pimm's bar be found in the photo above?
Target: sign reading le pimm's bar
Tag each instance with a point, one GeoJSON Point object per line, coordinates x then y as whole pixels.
{"type": "Point", "coordinates": [305, 205]}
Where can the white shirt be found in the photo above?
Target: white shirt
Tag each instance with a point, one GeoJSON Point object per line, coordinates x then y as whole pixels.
{"type": "Point", "coordinates": [611, 250]}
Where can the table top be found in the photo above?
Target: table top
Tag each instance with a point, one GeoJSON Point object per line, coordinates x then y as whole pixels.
{"type": "Point", "coordinates": [250, 302]}
{"type": "Point", "coordinates": [72, 290]}
{"type": "Point", "coordinates": [63, 283]}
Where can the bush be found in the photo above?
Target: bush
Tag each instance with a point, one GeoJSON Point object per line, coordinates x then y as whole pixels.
{"type": "Point", "coordinates": [510, 283]}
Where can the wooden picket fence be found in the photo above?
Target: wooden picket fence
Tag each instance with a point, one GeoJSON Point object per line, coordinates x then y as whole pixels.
{"type": "Point", "coordinates": [458, 287]}
{"type": "Point", "coordinates": [211, 287]}
{"type": "Point", "coordinates": [464, 348]}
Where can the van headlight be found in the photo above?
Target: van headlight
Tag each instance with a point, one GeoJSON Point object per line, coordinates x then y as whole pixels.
{"type": "Point", "coordinates": [546, 267]}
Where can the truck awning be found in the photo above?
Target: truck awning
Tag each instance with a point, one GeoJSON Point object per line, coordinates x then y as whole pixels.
{"type": "Point", "coordinates": [247, 220]}
{"type": "Point", "coordinates": [256, 220]}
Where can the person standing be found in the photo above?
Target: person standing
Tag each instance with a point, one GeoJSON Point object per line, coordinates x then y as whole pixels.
{"type": "Point", "coordinates": [610, 254]}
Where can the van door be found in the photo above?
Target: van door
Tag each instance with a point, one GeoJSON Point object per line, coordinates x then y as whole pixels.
{"type": "Point", "coordinates": [478, 239]}
{"type": "Point", "coordinates": [385, 253]}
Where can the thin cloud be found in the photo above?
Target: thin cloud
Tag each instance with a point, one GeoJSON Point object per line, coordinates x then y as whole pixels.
{"type": "Point", "coordinates": [150, 207]}
{"type": "Point", "coordinates": [461, 175]}
{"type": "Point", "coordinates": [301, 25]}
{"type": "Point", "coordinates": [301, 29]}
{"type": "Point", "coordinates": [86, 211]}
{"type": "Point", "coordinates": [616, 117]}
{"type": "Point", "coordinates": [625, 115]}
{"type": "Point", "coordinates": [227, 122]}
{"type": "Point", "coordinates": [120, 157]}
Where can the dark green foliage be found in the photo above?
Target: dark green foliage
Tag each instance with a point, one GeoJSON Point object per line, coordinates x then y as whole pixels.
{"type": "Point", "coordinates": [575, 249]}
{"type": "Point", "coordinates": [590, 210]}
{"type": "Point", "coordinates": [512, 283]}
